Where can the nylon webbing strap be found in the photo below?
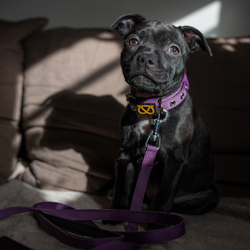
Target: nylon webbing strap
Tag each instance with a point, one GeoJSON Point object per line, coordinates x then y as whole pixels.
{"type": "Point", "coordinates": [75, 227]}
{"type": "Point", "coordinates": [141, 184]}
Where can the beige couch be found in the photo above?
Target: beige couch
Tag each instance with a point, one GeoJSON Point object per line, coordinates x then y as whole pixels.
{"type": "Point", "coordinates": [62, 91]}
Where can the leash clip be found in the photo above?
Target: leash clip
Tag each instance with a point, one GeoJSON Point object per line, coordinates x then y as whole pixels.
{"type": "Point", "coordinates": [157, 123]}
{"type": "Point", "coordinates": [154, 138]}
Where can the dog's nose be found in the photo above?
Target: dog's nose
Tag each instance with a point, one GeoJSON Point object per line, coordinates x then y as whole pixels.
{"type": "Point", "coordinates": [144, 60]}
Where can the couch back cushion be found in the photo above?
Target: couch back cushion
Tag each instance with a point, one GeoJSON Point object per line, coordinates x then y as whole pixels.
{"type": "Point", "coordinates": [11, 88]}
{"type": "Point", "coordinates": [220, 88]}
{"type": "Point", "coordinates": [74, 98]}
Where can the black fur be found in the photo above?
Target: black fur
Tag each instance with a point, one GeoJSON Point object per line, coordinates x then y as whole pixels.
{"type": "Point", "coordinates": [182, 181]}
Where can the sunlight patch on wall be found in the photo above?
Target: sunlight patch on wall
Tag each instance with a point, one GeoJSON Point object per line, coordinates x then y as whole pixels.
{"type": "Point", "coordinates": [205, 19]}
{"type": "Point", "coordinates": [230, 44]}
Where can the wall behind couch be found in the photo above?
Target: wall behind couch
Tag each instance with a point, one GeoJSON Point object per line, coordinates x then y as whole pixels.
{"type": "Point", "coordinates": [222, 18]}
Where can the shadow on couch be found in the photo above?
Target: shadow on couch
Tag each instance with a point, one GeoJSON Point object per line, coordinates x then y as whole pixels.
{"type": "Point", "coordinates": [77, 146]}
{"type": "Point", "coordinates": [71, 108]}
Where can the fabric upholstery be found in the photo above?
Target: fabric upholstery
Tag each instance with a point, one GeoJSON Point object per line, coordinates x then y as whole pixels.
{"type": "Point", "coordinates": [225, 228]}
{"type": "Point", "coordinates": [74, 98]}
{"type": "Point", "coordinates": [11, 88]}
{"type": "Point", "coordinates": [220, 90]}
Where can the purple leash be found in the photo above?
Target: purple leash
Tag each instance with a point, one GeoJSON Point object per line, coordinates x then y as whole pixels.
{"type": "Point", "coordinates": [141, 183]}
{"type": "Point", "coordinates": [64, 223]}
{"type": "Point", "coordinates": [75, 227]}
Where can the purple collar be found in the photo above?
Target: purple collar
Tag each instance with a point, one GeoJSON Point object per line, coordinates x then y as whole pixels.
{"type": "Point", "coordinates": [149, 106]}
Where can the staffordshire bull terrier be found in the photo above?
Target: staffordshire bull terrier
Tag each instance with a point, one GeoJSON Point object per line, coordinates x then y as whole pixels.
{"type": "Point", "coordinates": [153, 63]}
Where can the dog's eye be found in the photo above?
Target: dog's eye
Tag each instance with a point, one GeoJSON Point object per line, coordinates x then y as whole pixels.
{"type": "Point", "coordinates": [133, 42]}
{"type": "Point", "coordinates": [174, 50]}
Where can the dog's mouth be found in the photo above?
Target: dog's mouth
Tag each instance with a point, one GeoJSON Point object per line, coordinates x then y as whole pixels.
{"type": "Point", "coordinates": [143, 86]}
{"type": "Point", "coordinates": [144, 79]}
{"type": "Point", "coordinates": [141, 83]}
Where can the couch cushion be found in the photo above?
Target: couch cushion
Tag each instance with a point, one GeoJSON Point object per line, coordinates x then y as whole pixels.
{"type": "Point", "coordinates": [11, 87]}
{"type": "Point", "coordinates": [220, 88]}
{"type": "Point", "coordinates": [74, 98]}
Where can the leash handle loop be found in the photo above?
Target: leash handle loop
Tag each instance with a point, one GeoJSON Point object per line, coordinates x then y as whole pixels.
{"type": "Point", "coordinates": [66, 224]}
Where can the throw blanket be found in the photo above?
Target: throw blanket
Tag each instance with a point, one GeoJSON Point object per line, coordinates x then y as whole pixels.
{"type": "Point", "coordinates": [226, 227]}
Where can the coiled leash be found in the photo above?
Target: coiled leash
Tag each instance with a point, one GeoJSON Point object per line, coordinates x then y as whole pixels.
{"type": "Point", "coordinates": [75, 227]}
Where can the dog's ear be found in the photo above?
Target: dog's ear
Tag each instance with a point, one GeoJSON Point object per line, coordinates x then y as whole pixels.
{"type": "Point", "coordinates": [126, 23]}
{"type": "Point", "coordinates": [195, 39]}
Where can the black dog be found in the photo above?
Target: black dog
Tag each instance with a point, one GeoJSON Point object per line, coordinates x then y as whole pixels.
{"type": "Point", "coordinates": [153, 63]}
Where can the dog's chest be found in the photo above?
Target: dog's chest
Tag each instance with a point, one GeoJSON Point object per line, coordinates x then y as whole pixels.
{"type": "Point", "coordinates": [143, 126]}
{"type": "Point", "coordinates": [135, 132]}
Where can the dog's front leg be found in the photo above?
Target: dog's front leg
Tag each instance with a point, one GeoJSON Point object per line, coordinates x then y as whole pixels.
{"type": "Point", "coordinates": [125, 172]}
{"type": "Point", "coordinates": [171, 178]}
{"type": "Point", "coordinates": [174, 166]}
{"type": "Point", "coordinates": [125, 181]}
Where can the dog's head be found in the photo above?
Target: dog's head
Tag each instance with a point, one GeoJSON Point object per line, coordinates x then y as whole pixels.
{"type": "Point", "coordinates": [155, 53]}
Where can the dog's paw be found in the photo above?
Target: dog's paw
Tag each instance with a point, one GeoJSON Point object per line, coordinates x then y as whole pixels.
{"type": "Point", "coordinates": [111, 222]}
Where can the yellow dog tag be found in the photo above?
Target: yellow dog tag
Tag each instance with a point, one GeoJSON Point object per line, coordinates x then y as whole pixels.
{"type": "Point", "coordinates": [146, 109]}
